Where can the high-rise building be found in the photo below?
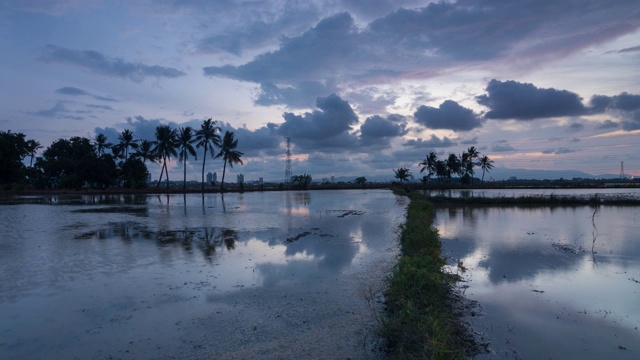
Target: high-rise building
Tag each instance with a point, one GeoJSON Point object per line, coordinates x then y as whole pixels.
{"type": "Point", "coordinates": [209, 177]}
{"type": "Point", "coordinates": [240, 178]}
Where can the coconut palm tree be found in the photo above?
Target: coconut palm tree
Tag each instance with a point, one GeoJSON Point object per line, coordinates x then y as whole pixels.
{"type": "Point", "coordinates": [185, 144]}
{"type": "Point", "coordinates": [32, 147]}
{"type": "Point", "coordinates": [101, 144]}
{"type": "Point", "coordinates": [454, 165]}
{"type": "Point", "coordinates": [429, 164]}
{"type": "Point", "coordinates": [166, 144]}
{"type": "Point", "coordinates": [402, 173]}
{"type": "Point", "coordinates": [145, 151]}
{"type": "Point", "coordinates": [127, 141]}
{"type": "Point", "coordinates": [207, 139]}
{"type": "Point", "coordinates": [228, 153]}
{"type": "Point", "coordinates": [485, 164]}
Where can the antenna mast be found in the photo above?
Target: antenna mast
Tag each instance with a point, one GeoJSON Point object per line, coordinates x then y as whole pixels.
{"type": "Point", "coordinates": [287, 168]}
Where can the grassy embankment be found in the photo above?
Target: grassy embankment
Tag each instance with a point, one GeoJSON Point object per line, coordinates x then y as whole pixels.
{"type": "Point", "coordinates": [422, 321]}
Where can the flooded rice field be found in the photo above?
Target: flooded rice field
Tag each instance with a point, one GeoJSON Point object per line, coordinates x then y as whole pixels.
{"type": "Point", "coordinates": [271, 275]}
{"type": "Point", "coordinates": [551, 283]}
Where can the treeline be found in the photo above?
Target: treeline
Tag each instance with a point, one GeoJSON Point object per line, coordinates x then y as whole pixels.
{"type": "Point", "coordinates": [462, 166]}
{"type": "Point", "coordinates": [98, 164]}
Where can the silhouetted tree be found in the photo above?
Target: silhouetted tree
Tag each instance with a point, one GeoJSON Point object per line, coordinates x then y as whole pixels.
{"type": "Point", "coordinates": [127, 141]}
{"type": "Point", "coordinates": [454, 165]}
{"type": "Point", "coordinates": [228, 153]}
{"type": "Point", "coordinates": [402, 173]}
{"type": "Point", "coordinates": [32, 147]}
{"type": "Point", "coordinates": [101, 144]}
{"type": "Point", "coordinates": [145, 151]}
{"type": "Point", "coordinates": [207, 138]}
{"type": "Point", "coordinates": [185, 144]}
{"type": "Point", "coordinates": [134, 173]}
{"type": "Point", "coordinates": [166, 144]}
{"type": "Point", "coordinates": [485, 164]}
{"type": "Point", "coordinates": [301, 181]}
{"type": "Point", "coordinates": [12, 151]}
{"type": "Point", "coordinates": [429, 164]}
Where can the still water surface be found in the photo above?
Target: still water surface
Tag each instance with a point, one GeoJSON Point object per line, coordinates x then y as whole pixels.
{"type": "Point", "coordinates": [278, 274]}
{"type": "Point", "coordinates": [552, 283]}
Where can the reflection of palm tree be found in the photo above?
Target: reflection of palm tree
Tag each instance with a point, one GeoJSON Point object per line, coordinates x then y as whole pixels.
{"type": "Point", "coordinates": [207, 139]}
{"type": "Point", "coordinates": [185, 143]}
{"type": "Point", "coordinates": [228, 153]}
{"type": "Point", "coordinates": [166, 144]}
{"type": "Point", "coordinates": [127, 141]}
{"type": "Point", "coordinates": [32, 147]}
{"type": "Point", "coordinates": [485, 164]}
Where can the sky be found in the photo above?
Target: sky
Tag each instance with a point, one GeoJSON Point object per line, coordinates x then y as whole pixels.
{"type": "Point", "coordinates": [361, 87]}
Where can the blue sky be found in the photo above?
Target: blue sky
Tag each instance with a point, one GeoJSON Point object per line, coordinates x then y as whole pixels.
{"type": "Point", "coordinates": [361, 87]}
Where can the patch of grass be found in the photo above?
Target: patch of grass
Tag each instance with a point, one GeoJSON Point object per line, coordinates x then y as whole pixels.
{"type": "Point", "coordinates": [422, 321]}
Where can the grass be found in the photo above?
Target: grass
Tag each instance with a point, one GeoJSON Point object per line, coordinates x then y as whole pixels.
{"type": "Point", "coordinates": [421, 318]}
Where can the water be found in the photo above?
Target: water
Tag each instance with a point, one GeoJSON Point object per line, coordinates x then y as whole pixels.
{"type": "Point", "coordinates": [552, 283]}
{"type": "Point", "coordinates": [149, 277]}
{"type": "Point", "coordinates": [603, 193]}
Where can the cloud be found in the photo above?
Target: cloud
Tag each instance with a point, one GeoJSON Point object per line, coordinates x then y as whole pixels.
{"type": "Point", "coordinates": [630, 50]}
{"type": "Point", "coordinates": [524, 101]}
{"type": "Point", "coordinates": [58, 111]}
{"type": "Point", "coordinates": [377, 130]}
{"type": "Point", "coordinates": [432, 142]}
{"type": "Point", "coordinates": [502, 146]}
{"type": "Point", "coordinates": [559, 151]}
{"type": "Point", "coordinates": [575, 127]}
{"type": "Point", "coordinates": [472, 141]}
{"type": "Point", "coordinates": [626, 106]}
{"type": "Point", "coordinates": [264, 140]}
{"type": "Point", "coordinates": [301, 95]}
{"type": "Point", "coordinates": [100, 64]}
{"type": "Point", "coordinates": [449, 115]}
{"type": "Point", "coordinates": [607, 124]}
{"type": "Point", "coordinates": [74, 91]}
{"type": "Point", "coordinates": [421, 43]}
{"type": "Point", "coordinates": [328, 126]}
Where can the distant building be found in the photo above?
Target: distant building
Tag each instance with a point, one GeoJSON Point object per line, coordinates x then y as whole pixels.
{"type": "Point", "coordinates": [209, 177]}
{"type": "Point", "coordinates": [333, 179]}
{"type": "Point", "coordinates": [240, 178]}
{"type": "Point", "coordinates": [260, 180]}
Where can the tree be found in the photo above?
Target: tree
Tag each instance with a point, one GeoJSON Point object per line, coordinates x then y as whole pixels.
{"type": "Point", "coordinates": [134, 173]}
{"type": "Point", "coordinates": [101, 144]}
{"type": "Point", "coordinates": [429, 164]}
{"type": "Point", "coordinates": [301, 181]}
{"type": "Point", "coordinates": [441, 169]}
{"type": "Point", "coordinates": [228, 153]}
{"type": "Point", "coordinates": [402, 173]}
{"type": "Point", "coordinates": [127, 141]}
{"type": "Point", "coordinates": [12, 152]}
{"type": "Point", "coordinates": [485, 164]}
{"type": "Point", "coordinates": [207, 139]}
{"type": "Point", "coordinates": [454, 165]}
{"type": "Point", "coordinates": [145, 151]}
{"type": "Point", "coordinates": [361, 180]}
{"type": "Point", "coordinates": [32, 147]}
{"type": "Point", "coordinates": [185, 143]}
{"type": "Point", "coordinates": [166, 144]}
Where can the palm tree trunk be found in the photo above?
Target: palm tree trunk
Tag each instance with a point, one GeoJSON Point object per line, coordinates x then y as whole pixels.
{"type": "Point", "coordinates": [184, 174]}
{"type": "Point", "coordinates": [204, 160]}
{"type": "Point", "coordinates": [166, 171]}
{"type": "Point", "coordinates": [224, 170]}
{"type": "Point", "coordinates": [483, 176]}
{"type": "Point", "coordinates": [161, 173]}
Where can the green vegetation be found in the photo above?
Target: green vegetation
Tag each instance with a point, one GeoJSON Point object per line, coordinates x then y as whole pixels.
{"type": "Point", "coordinates": [229, 154]}
{"type": "Point", "coordinates": [532, 200]}
{"type": "Point", "coordinates": [301, 181]}
{"type": "Point", "coordinates": [461, 166]}
{"type": "Point", "coordinates": [402, 174]}
{"type": "Point", "coordinates": [421, 320]}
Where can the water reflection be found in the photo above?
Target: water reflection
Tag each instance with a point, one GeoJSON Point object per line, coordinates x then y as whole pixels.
{"type": "Point", "coordinates": [533, 269]}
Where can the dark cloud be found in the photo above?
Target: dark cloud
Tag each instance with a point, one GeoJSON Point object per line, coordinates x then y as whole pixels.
{"type": "Point", "coordinates": [626, 106]}
{"type": "Point", "coordinates": [378, 127]}
{"type": "Point", "coordinates": [607, 124]}
{"type": "Point", "coordinates": [58, 111]}
{"type": "Point", "coordinates": [420, 43]}
{"type": "Point", "coordinates": [100, 64]}
{"type": "Point", "coordinates": [559, 151]}
{"type": "Point", "coordinates": [575, 127]}
{"type": "Point", "coordinates": [262, 141]}
{"type": "Point", "coordinates": [630, 49]}
{"type": "Point", "coordinates": [301, 95]}
{"type": "Point", "coordinates": [74, 91]}
{"type": "Point", "coordinates": [449, 115]}
{"type": "Point", "coordinates": [632, 121]}
{"type": "Point", "coordinates": [524, 101]}
{"type": "Point", "coordinates": [328, 126]}
{"type": "Point", "coordinates": [472, 141]}
{"type": "Point", "coordinates": [432, 142]}
{"type": "Point", "coordinates": [101, 107]}
{"type": "Point", "coordinates": [502, 146]}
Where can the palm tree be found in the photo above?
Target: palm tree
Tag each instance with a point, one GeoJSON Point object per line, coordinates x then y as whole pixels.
{"type": "Point", "coordinates": [127, 141]}
{"type": "Point", "coordinates": [485, 164]}
{"type": "Point", "coordinates": [32, 147]}
{"type": "Point", "coordinates": [228, 153]}
{"type": "Point", "coordinates": [429, 164]}
{"type": "Point", "coordinates": [101, 144]}
{"type": "Point", "coordinates": [185, 143]}
{"type": "Point", "coordinates": [166, 144]}
{"type": "Point", "coordinates": [402, 173]}
{"type": "Point", "coordinates": [117, 151]}
{"type": "Point", "coordinates": [207, 139]}
{"type": "Point", "coordinates": [145, 151]}
{"type": "Point", "coordinates": [454, 165]}
{"type": "Point", "coordinates": [441, 170]}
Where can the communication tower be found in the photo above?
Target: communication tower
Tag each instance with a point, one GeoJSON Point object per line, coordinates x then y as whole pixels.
{"type": "Point", "coordinates": [287, 168]}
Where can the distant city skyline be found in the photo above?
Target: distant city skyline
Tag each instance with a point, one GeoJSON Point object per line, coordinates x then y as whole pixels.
{"type": "Point", "coordinates": [360, 87]}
